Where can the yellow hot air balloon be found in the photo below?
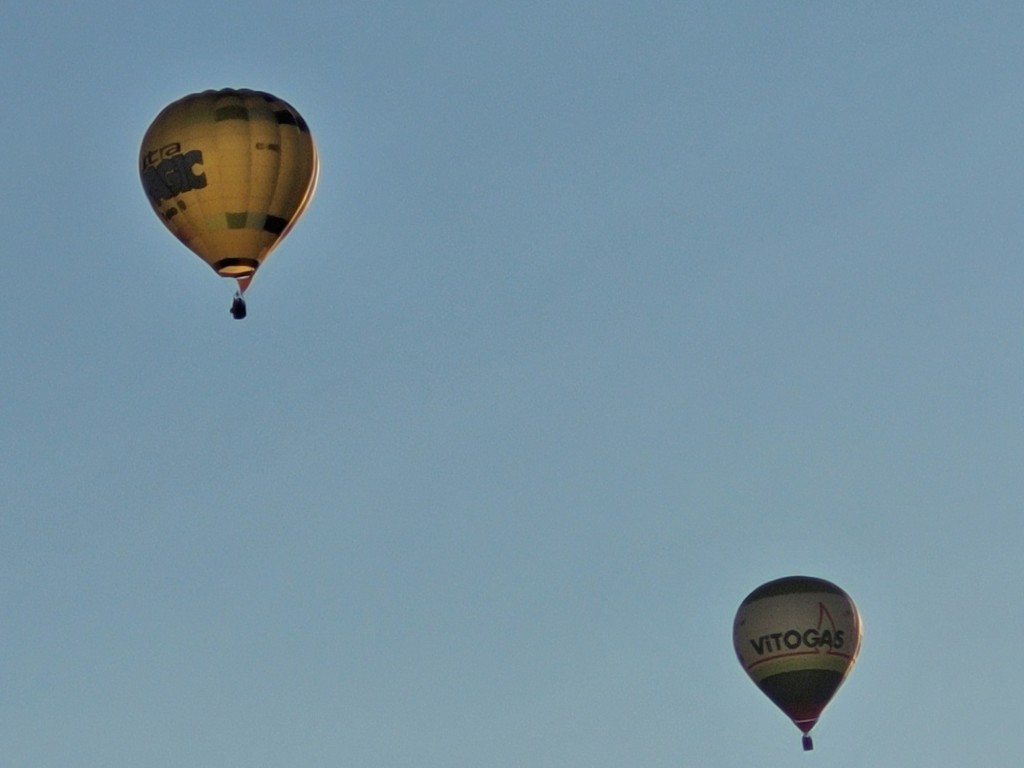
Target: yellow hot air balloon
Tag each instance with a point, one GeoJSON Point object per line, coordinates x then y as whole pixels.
{"type": "Point", "coordinates": [229, 172]}
{"type": "Point", "coordinates": [798, 638]}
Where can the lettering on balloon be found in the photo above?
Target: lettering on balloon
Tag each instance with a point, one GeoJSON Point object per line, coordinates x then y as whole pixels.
{"type": "Point", "coordinates": [793, 639]}
{"type": "Point", "coordinates": [168, 172]}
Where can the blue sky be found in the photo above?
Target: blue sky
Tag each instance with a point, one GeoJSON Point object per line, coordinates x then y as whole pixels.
{"type": "Point", "coordinates": [601, 317]}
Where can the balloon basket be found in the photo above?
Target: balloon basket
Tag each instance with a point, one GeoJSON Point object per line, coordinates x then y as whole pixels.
{"type": "Point", "coordinates": [238, 307]}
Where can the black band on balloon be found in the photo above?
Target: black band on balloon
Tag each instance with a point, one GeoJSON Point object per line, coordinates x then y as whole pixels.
{"type": "Point", "coordinates": [231, 112]}
{"type": "Point", "coordinates": [288, 117]}
{"type": "Point", "coordinates": [275, 224]}
{"type": "Point", "coordinates": [792, 585]}
{"type": "Point", "coordinates": [284, 117]}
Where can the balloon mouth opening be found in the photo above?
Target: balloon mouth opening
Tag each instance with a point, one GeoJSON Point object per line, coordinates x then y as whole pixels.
{"type": "Point", "coordinates": [236, 268]}
{"type": "Point", "coordinates": [805, 725]}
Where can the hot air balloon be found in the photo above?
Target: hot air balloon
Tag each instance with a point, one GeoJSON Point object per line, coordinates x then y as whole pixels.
{"type": "Point", "coordinates": [229, 172]}
{"type": "Point", "coordinates": [798, 638]}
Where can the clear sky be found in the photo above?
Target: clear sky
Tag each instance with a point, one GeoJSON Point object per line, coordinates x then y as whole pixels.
{"type": "Point", "coordinates": [603, 315]}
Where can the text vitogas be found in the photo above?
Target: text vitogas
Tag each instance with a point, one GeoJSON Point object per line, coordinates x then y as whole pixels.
{"type": "Point", "coordinates": [793, 639]}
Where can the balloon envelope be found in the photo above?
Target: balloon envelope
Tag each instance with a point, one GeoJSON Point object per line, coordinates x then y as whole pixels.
{"type": "Point", "coordinates": [229, 172]}
{"type": "Point", "coordinates": [798, 638]}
